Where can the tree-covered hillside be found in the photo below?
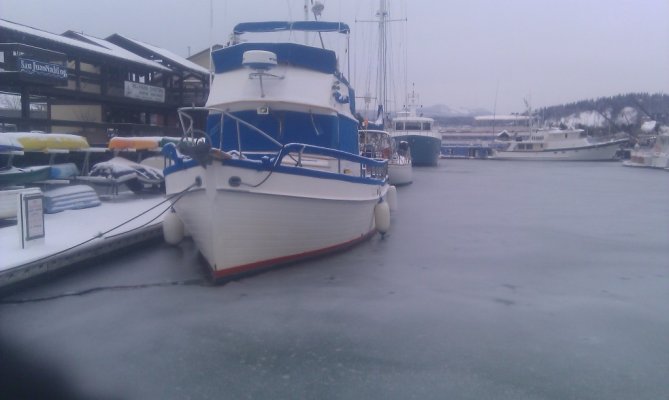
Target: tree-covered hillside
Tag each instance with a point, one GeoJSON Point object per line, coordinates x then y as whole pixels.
{"type": "Point", "coordinates": [605, 115]}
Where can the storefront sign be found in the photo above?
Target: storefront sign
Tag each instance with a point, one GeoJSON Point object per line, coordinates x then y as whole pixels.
{"type": "Point", "coordinates": [141, 91]}
{"type": "Point", "coordinates": [49, 70]}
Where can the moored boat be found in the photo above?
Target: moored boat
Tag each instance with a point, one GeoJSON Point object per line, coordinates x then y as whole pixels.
{"type": "Point", "coordinates": [276, 176]}
{"type": "Point", "coordinates": [656, 156]}
{"type": "Point", "coordinates": [419, 132]}
{"type": "Point", "coordinates": [379, 145]}
{"type": "Point", "coordinates": [557, 145]}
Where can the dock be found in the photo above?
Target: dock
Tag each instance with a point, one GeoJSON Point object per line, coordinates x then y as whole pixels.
{"type": "Point", "coordinates": [75, 236]}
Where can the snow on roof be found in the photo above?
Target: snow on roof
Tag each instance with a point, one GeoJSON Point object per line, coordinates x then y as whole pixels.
{"type": "Point", "coordinates": [168, 55]}
{"type": "Point", "coordinates": [79, 44]}
{"type": "Point", "coordinates": [117, 49]}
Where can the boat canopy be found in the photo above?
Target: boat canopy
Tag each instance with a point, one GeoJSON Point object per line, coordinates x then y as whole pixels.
{"type": "Point", "coordinates": [230, 58]}
{"type": "Point", "coordinates": [306, 26]}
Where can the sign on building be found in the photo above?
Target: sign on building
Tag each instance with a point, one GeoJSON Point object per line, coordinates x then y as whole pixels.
{"type": "Point", "coordinates": [44, 69]}
{"type": "Point", "coordinates": [141, 91]}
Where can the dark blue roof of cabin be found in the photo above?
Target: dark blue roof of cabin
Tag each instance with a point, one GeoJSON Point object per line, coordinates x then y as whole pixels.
{"type": "Point", "coordinates": [307, 26]}
{"type": "Point", "coordinates": [322, 60]}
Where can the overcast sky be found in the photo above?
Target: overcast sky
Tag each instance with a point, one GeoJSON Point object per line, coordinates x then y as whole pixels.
{"type": "Point", "coordinates": [463, 53]}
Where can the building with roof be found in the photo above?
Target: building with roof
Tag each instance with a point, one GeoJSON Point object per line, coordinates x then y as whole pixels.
{"type": "Point", "coordinates": [78, 83]}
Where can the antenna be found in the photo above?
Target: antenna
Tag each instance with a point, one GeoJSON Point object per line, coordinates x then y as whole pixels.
{"type": "Point", "coordinates": [494, 108]}
{"type": "Point", "coordinates": [306, 18]}
{"type": "Point", "coordinates": [211, 40]}
{"type": "Point", "coordinates": [317, 10]}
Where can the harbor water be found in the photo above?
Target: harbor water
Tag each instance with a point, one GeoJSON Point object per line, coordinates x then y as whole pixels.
{"type": "Point", "coordinates": [498, 280]}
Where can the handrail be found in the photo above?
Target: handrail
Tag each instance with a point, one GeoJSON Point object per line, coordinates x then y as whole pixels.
{"type": "Point", "coordinates": [284, 150]}
{"type": "Point", "coordinates": [182, 112]}
{"type": "Point", "coordinates": [325, 151]}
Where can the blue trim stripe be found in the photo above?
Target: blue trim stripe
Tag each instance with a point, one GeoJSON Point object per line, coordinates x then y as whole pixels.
{"type": "Point", "coordinates": [260, 166]}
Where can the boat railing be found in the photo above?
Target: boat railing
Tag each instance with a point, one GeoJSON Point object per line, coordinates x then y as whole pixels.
{"type": "Point", "coordinates": [369, 168]}
{"type": "Point", "coordinates": [188, 125]}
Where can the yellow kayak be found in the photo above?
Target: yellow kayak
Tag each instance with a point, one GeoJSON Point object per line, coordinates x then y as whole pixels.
{"type": "Point", "coordinates": [40, 141]}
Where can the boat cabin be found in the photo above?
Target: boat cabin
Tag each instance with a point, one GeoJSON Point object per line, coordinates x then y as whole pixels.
{"type": "Point", "coordinates": [293, 92]}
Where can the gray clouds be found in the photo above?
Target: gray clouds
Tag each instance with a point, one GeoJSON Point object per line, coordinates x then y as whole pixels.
{"type": "Point", "coordinates": [459, 51]}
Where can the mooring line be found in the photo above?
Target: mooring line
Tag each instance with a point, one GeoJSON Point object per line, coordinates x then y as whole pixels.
{"type": "Point", "coordinates": [187, 282]}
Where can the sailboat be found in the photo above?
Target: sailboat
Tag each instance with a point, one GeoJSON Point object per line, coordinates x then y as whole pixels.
{"type": "Point", "coordinates": [276, 175]}
{"type": "Point", "coordinates": [400, 170]}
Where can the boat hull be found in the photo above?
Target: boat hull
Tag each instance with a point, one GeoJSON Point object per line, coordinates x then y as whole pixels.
{"type": "Point", "coordinates": [425, 149]}
{"type": "Point", "coordinates": [596, 152]}
{"type": "Point", "coordinates": [400, 174]}
{"type": "Point", "coordinates": [648, 161]}
{"type": "Point", "coordinates": [287, 217]}
{"type": "Point", "coordinates": [20, 176]}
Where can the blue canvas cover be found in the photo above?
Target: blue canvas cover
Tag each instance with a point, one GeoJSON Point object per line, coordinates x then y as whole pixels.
{"type": "Point", "coordinates": [277, 26]}
{"type": "Point", "coordinates": [322, 60]}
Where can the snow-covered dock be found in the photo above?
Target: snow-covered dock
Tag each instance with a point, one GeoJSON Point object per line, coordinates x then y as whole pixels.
{"type": "Point", "coordinates": [74, 236]}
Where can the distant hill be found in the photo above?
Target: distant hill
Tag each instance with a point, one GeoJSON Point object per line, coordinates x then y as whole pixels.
{"type": "Point", "coordinates": [442, 110]}
{"type": "Point", "coordinates": [625, 112]}
{"type": "Point", "coordinates": [630, 113]}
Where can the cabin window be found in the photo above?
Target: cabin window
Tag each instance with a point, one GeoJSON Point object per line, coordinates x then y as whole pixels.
{"type": "Point", "coordinates": [426, 126]}
{"type": "Point", "coordinates": [399, 126]}
{"type": "Point", "coordinates": [521, 146]}
{"type": "Point", "coordinates": [412, 126]}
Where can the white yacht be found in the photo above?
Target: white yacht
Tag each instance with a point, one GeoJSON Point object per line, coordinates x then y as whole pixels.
{"type": "Point", "coordinates": [276, 175]}
{"type": "Point", "coordinates": [556, 145]}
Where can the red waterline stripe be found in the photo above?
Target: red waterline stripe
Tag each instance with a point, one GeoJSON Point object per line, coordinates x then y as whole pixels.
{"type": "Point", "coordinates": [228, 272]}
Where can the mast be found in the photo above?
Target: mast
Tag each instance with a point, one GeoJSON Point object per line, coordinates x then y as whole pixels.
{"type": "Point", "coordinates": [211, 41]}
{"type": "Point", "coordinates": [383, 18]}
{"type": "Point", "coordinates": [382, 77]}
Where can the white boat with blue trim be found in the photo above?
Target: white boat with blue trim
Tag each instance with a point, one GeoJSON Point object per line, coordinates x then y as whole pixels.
{"type": "Point", "coordinates": [419, 132]}
{"type": "Point", "coordinates": [276, 176]}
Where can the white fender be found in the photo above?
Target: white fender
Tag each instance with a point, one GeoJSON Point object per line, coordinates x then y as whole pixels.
{"type": "Point", "coordinates": [173, 228]}
{"type": "Point", "coordinates": [391, 198]}
{"type": "Point", "coordinates": [382, 217]}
